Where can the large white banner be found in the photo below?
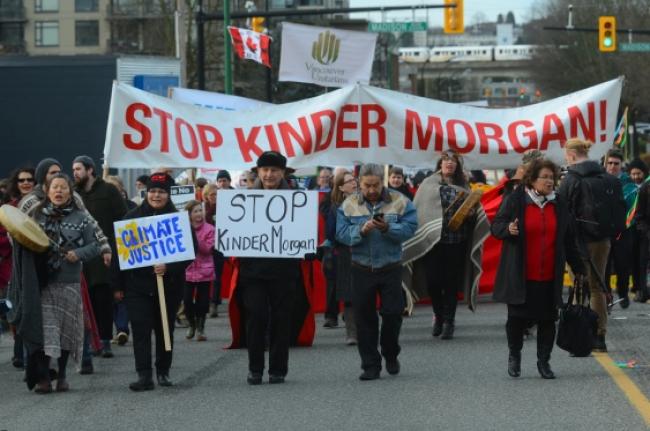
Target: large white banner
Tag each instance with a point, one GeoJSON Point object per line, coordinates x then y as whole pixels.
{"type": "Point", "coordinates": [212, 100]}
{"type": "Point", "coordinates": [351, 125]}
{"type": "Point", "coordinates": [148, 241]}
{"type": "Point", "coordinates": [326, 56]}
{"type": "Point", "coordinates": [267, 223]}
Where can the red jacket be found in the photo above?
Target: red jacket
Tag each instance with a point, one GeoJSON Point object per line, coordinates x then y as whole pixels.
{"type": "Point", "coordinates": [541, 233]}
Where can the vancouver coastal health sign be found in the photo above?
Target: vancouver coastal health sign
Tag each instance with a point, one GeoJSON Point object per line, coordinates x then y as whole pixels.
{"type": "Point", "coordinates": [267, 223]}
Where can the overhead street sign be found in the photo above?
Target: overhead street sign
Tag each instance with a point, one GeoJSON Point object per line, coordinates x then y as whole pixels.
{"type": "Point", "coordinates": [634, 47]}
{"type": "Point", "coordinates": [397, 27]}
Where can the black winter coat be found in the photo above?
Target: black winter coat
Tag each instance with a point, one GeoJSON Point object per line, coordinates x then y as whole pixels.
{"type": "Point", "coordinates": [105, 203]}
{"type": "Point", "coordinates": [142, 281]}
{"type": "Point", "coordinates": [510, 283]}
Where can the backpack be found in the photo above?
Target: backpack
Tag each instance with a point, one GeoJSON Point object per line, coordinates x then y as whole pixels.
{"type": "Point", "coordinates": [601, 211]}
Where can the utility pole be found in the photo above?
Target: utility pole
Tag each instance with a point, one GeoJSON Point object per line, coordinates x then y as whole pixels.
{"type": "Point", "coordinates": [200, 47]}
{"type": "Point", "coordinates": [227, 61]}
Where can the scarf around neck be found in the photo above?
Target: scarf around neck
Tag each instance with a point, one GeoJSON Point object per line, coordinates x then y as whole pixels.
{"type": "Point", "coordinates": [538, 199]}
{"type": "Point", "coordinates": [52, 226]}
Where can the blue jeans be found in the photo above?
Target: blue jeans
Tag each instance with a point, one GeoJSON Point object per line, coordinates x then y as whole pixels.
{"type": "Point", "coordinates": [120, 317]}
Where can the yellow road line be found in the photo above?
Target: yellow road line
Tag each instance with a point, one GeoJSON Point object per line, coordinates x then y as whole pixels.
{"type": "Point", "coordinates": [631, 390]}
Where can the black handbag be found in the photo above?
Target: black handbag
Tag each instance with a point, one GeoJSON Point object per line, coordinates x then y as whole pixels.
{"type": "Point", "coordinates": [578, 323]}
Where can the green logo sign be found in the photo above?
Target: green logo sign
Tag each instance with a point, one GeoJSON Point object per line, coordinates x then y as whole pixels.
{"type": "Point", "coordinates": [326, 49]}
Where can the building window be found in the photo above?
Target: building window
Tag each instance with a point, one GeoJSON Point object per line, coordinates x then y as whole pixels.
{"type": "Point", "coordinates": [86, 5]}
{"type": "Point", "coordinates": [47, 33]}
{"type": "Point", "coordinates": [46, 6]}
{"type": "Point", "coordinates": [86, 33]}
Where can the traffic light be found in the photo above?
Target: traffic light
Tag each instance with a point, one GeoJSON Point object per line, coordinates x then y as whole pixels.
{"type": "Point", "coordinates": [607, 33]}
{"type": "Point", "coordinates": [453, 19]}
{"type": "Point", "coordinates": [257, 24]}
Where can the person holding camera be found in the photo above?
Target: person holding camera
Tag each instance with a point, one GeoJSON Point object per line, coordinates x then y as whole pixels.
{"type": "Point", "coordinates": [538, 239]}
{"type": "Point", "coordinates": [374, 224]}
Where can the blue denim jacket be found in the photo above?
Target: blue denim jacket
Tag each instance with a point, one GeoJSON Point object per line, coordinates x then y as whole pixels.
{"type": "Point", "coordinates": [376, 249]}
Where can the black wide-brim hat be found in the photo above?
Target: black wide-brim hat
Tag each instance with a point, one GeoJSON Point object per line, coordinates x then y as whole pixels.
{"type": "Point", "coordinates": [272, 159]}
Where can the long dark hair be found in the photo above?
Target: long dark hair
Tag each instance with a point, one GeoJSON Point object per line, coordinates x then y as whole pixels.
{"type": "Point", "coordinates": [13, 190]}
{"type": "Point", "coordinates": [458, 178]}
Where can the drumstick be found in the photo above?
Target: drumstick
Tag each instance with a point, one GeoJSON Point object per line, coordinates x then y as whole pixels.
{"type": "Point", "coordinates": [163, 312]}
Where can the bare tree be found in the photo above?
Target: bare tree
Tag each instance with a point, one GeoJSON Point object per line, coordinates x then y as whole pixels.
{"type": "Point", "coordinates": [571, 60]}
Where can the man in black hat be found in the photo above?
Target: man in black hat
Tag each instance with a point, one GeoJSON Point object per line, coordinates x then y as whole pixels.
{"type": "Point", "coordinates": [267, 289]}
{"type": "Point", "coordinates": [105, 203]}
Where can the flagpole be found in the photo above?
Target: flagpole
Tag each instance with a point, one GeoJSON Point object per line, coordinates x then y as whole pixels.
{"type": "Point", "coordinates": [269, 76]}
{"type": "Point", "coordinates": [227, 63]}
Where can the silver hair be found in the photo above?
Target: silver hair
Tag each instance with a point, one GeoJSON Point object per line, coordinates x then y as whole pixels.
{"type": "Point", "coordinates": [371, 169]}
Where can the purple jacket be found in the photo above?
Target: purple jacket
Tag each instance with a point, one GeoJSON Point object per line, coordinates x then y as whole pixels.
{"type": "Point", "coordinates": [202, 269]}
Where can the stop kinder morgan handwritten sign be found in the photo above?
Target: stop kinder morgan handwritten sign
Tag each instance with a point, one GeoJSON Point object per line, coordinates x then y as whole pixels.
{"type": "Point", "coordinates": [267, 223]}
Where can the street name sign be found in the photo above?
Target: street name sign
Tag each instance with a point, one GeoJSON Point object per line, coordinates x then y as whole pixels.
{"type": "Point", "coordinates": [397, 27]}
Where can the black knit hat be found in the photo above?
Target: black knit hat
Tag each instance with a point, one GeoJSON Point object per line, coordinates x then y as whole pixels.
{"type": "Point", "coordinates": [224, 174]}
{"type": "Point", "coordinates": [638, 164]}
{"type": "Point", "coordinates": [42, 168]}
{"type": "Point", "coordinates": [87, 161]}
{"type": "Point", "coordinates": [160, 180]}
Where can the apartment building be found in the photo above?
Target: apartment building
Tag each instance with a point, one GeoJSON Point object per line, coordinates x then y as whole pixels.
{"type": "Point", "coordinates": [86, 27]}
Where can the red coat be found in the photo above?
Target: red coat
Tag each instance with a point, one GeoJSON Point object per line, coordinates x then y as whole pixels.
{"type": "Point", "coordinates": [541, 234]}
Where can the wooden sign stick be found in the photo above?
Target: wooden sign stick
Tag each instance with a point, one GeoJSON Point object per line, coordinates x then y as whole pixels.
{"type": "Point", "coordinates": [163, 312]}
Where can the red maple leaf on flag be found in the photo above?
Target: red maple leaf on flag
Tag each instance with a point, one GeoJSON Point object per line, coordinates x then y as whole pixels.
{"type": "Point", "coordinates": [251, 45]}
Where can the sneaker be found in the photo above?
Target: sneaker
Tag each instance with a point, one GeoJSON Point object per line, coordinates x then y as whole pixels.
{"type": "Point", "coordinates": [351, 341]}
{"type": "Point", "coordinates": [122, 338]}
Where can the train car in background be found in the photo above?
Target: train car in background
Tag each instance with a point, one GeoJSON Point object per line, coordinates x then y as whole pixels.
{"type": "Point", "coordinates": [483, 53]}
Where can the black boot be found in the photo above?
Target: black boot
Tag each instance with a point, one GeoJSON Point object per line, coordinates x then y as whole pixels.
{"type": "Point", "coordinates": [163, 379]}
{"type": "Point", "coordinates": [544, 369]}
{"type": "Point", "coordinates": [144, 382]}
{"type": "Point", "coordinates": [447, 330]}
{"type": "Point", "coordinates": [437, 326]}
{"type": "Point", "coordinates": [514, 364]}
{"type": "Point", "coordinates": [545, 340]}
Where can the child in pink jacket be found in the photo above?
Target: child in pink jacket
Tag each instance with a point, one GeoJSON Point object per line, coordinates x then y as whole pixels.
{"type": "Point", "coordinates": [199, 274]}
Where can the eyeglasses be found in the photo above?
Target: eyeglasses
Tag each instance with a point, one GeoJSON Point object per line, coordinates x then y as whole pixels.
{"type": "Point", "coordinates": [351, 180]}
{"type": "Point", "coordinates": [25, 180]}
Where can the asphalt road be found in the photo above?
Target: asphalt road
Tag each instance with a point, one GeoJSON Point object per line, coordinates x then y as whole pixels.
{"type": "Point", "coordinates": [460, 384]}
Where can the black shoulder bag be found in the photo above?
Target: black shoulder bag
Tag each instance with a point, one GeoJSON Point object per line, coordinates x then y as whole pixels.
{"type": "Point", "coordinates": [578, 323]}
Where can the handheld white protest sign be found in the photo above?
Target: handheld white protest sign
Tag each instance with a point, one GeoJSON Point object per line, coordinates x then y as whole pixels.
{"type": "Point", "coordinates": [149, 241]}
{"type": "Point", "coordinates": [267, 223]}
{"type": "Point", "coordinates": [181, 195]}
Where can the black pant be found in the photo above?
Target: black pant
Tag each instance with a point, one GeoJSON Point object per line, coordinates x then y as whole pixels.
{"type": "Point", "coordinates": [329, 271]}
{"type": "Point", "coordinates": [144, 313]}
{"type": "Point", "coordinates": [621, 261]}
{"type": "Point", "coordinates": [444, 272]}
{"type": "Point", "coordinates": [268, 303]}
{"type": "Point", "coordinates": [101, 298]}
{"type": "Point", "coordinates": [196, 305]}
{"type": "Point", "coordinates": [515, 327]}
{"type": "Point", "coordinates": [219, 260]}
{"type": "Point", "coordinates": [365, 286]}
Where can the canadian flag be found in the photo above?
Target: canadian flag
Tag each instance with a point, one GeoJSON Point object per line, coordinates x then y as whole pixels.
{"type": "Point", "coordinates": [251, 45]}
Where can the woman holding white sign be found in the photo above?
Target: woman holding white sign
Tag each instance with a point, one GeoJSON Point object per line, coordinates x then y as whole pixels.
{"type": "Point", "coordinates": [140, 293]}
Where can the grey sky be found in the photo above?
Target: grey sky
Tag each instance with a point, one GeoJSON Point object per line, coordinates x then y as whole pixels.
{"type": "Point", "coordinates": [491, 8]}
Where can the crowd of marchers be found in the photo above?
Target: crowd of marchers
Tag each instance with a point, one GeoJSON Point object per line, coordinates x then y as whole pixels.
{"type": "Point", "coordinates": [387, 235]}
